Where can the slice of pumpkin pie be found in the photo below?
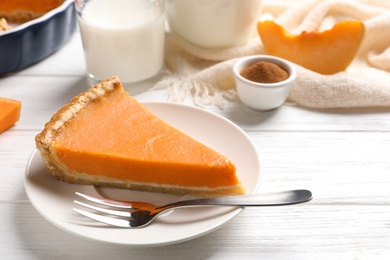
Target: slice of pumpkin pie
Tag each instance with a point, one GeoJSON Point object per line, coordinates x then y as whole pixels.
{"type": "Point", "coordinates": [105, 137]}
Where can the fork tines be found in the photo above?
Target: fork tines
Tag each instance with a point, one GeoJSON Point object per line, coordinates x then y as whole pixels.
{"type": "Point", "coordinates": [118, 218]}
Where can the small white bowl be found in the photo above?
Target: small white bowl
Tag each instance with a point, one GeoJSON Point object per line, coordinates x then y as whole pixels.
{"type": "Point", "coordinates": [263, 96]}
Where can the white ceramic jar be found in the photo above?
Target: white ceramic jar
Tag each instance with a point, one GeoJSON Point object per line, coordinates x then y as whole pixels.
{"type": "Point", "coordinates": [214, 23]}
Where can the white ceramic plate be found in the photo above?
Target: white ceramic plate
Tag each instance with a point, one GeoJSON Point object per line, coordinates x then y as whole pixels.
{"type": "Point", "coordinates": [54, 199]}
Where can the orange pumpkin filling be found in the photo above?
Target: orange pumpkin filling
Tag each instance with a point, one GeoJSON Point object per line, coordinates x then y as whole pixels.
{"type": "Point", "coordinates": [115, 138]}
{"type": "Point", "coordinates": [19, 11]}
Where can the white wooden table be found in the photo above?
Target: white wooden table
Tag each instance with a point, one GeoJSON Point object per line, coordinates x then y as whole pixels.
{"type": "Point", "coordinates": [342, 156]}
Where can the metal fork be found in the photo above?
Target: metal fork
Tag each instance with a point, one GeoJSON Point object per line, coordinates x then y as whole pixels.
{"type": "Point", "coordinates": [127, 214]}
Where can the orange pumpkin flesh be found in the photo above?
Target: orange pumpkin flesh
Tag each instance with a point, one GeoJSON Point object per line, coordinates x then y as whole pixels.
{"type": "Point", "coordinates": [9, 113]}
{"type": "Point", "coordinates": [326, 52]}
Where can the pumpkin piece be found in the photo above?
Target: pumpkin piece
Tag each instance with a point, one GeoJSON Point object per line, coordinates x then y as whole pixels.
{"type": "Point", "coordinates": [325, 52]}
{"type": "Point", "coordinates": [9, 113]}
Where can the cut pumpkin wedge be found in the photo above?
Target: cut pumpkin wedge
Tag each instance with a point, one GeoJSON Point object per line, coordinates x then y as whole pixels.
{"type": "Point", "coordinates": [325, 52]}
{"type": "Point", "coordinates": [9, 113]}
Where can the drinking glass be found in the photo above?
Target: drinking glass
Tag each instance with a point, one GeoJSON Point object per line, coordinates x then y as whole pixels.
{"type": "Point", "coordinates": [123, 38]}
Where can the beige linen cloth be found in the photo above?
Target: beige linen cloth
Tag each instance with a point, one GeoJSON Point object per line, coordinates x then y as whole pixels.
{"type": "Point", "coordinates": [205, 75]}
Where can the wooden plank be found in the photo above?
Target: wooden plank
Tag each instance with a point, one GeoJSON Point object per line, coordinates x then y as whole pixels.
{"type": "Point", "coordinates": [48, 94]}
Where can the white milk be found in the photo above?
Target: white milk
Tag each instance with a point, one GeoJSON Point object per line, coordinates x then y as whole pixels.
{"type": "Point", "coordinates": [214, 23]}
{"type": "Point", "coordinates": [123, 38]}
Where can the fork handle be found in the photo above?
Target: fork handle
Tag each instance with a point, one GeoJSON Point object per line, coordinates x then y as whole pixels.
{"type": "Point", "coordinates": [250, 200]}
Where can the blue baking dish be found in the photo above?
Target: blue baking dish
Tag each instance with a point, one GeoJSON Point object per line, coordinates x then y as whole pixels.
{"type": "Point", "coordinates": [34, 40]}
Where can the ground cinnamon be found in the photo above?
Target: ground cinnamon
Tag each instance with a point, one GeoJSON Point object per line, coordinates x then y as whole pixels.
{"type": "Point", "coordinates": [264, 72]}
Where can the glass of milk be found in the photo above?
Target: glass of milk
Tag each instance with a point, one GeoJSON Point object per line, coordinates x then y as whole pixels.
{"type": "Point", "coordinates": [123, 38]}
{"type": "Point", "coordinates": [214, 23]}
